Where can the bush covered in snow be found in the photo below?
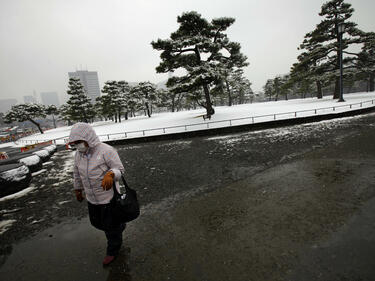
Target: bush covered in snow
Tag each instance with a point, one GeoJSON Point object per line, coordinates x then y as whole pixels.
{"type": "Point", "coordinates": [33, 162]}
{"type": "Point", "coordinates": [51, 149]}
{"type": "Point", "coordinates": [43, 154]}
{"type": "Point", "coordinates": [13, 178]}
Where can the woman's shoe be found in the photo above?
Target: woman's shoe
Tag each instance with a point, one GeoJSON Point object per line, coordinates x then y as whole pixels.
{"type": "Point", "coordinates": [108, 259]}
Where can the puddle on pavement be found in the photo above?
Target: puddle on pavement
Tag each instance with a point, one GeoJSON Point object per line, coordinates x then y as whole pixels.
{"type": "Point", "coordinates": [69, 251]}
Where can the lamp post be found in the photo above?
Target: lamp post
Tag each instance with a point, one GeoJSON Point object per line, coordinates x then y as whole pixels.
{"type": "Point", "coordinates": [341, 29]}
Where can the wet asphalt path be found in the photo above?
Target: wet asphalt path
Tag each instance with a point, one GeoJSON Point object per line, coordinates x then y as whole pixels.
{"type": "Point", "coordinates": [213, 209]}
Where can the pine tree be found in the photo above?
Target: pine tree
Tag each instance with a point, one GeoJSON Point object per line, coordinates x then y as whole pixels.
{"type": "Point", "coordinates": [238, 88]}
{"type": "Point", "coordinates": [26, 112]}
{"type": "Point", "coordinates": [320, 58]}
{"type": "Point", "coordinates": [366, 60]}
{"type": "Point", "coordinates": [103, 107]}
{"type": "Point", "coordinates": [134, 101]}
{"type": "Point", "coordinates": [65, 114]}
{"type": "Point", "coordinates": [146, 92]}
{"type": "Point", "coordinates": [79, 105]}
{"type": "Point", "coordinates": [113, 98]}
{"type": "Point", "coordinates": [231, 85]}
{"type": "Point", "coordinates": [124, 98]}
{"type": "Point", "coordinates": [2, 118]}
{"type": "Point", "coordinates": [116, 99]}
{"type": "Point", "coordinates": [197, 47]}
{"type": "Point", "coordinates": [52, 110]}
{"type": "Point", "coordinates": [163, 99]}
{"type": "Point", "coordinates": [269, 89]}
{"type": "Point", "coordinates": [286, 86]}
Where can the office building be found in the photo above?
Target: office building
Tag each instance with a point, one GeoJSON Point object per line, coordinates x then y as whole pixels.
{"type": "Point", "coordinates": [6, 104]}
{"type": "Point", "coordinates": [90, 82]}
{"type": "Point", "coordinates": [29, 99]}
{"type": "Point", "coordinates": [50, 98]}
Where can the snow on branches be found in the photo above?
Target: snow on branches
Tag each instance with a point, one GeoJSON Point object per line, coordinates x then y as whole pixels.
{"type": "Point", "coordinates": [26, 112]}
{"type": "Point", "coordinates": [203, 50]}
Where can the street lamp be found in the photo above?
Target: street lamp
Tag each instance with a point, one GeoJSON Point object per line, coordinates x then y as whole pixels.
{"type": "Point", "coordinates": [341, 29]}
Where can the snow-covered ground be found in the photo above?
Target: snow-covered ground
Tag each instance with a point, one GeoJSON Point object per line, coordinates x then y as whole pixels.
{"type": "Point", "coordinates": [19, 194]}
{"type": "Point", "coordinates": [167, 123]}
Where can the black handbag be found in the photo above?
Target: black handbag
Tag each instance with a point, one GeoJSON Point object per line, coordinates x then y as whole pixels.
{"type": "Point", "coordinates": [125, 206]}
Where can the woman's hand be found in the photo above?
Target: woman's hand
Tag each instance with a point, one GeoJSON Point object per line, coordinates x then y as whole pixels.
{"type": "Point", "coordinates": [79, 195]}
{"type": "Point", "coordinates": [107, 181]}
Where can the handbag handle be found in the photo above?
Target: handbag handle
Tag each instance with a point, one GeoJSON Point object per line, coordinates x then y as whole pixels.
{"type": "Point", "coordinates": [125, 184]}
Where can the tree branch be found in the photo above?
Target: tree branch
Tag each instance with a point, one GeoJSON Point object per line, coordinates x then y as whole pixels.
{"type": "Point", "coordinates": [216, 34]}
{"type": "Point", "coordinates": [200, 103]}
{"type": "Point", "coordinates": [184, 51]}
{"type": "Point", "coordinates": [349, 53]}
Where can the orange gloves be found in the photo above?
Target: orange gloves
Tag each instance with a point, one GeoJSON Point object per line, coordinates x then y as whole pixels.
{"type": "Point", "coordinates": [79, 195]}
{"type": "Point", "coordinates": [107, 181]}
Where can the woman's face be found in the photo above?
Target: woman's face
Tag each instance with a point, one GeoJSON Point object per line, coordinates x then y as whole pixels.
{"type": "Point", "coordinates": [81, 145]}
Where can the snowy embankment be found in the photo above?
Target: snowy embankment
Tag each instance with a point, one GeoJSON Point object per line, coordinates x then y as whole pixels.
{"type": "Point", "coordinates": [225, 116]}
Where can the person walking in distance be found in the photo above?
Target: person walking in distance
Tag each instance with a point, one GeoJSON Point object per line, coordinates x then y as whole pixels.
{"type": "Point", "coordinates": [96, 167]}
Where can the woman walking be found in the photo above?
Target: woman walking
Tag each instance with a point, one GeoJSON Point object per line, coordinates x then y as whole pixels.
{"type": "Point", "coordinates": [96, 167]}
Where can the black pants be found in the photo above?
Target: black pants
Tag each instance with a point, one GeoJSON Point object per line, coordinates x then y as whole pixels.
{"type": "Point", "coordinates": [101, 218]}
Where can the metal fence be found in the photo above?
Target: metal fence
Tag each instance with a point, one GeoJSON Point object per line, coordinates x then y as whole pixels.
{"type": "Point", "coordinates": [216, 124]}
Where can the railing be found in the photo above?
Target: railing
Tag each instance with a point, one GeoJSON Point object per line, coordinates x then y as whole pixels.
{"type": "Point", "coordinates": [214, 124]}
{"type": "Point", "coordinates": [54, 141]}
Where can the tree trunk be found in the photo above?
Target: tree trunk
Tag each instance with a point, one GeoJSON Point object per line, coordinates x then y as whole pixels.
{"type": "Point", "coordinates": [119, 116]}
{"type": "Point", "coordinates": [126, 115]}
{"type": "Point", "coordinates": [37, 124]}
{"type": "Point", "coordinates": [147, 109]}
{"type": "Point", "coordinates": [229, 93]}
{"type": "Point", "coordinates": [173, 103]}
{"type": "Point", "coordinates": [210, 110]}
{"type": "Point", "coordinates": [84, 116]}
{"type": "Point", "coordinates": [371, 80]}
{"type": "Point", "coordinates": [54, 121]}
{"type": "Point", "coordinates": [336, 93]}
{"type": "Point", "coordinates": [319, 88]}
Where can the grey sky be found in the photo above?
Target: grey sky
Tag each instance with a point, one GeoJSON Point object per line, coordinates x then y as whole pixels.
{"type": "Point", "coordinates": [42, 40]}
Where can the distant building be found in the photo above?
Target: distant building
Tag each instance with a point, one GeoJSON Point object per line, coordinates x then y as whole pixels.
{"type": "Point", "coordinates": [29, 99]}
{"type": "Point", "coordinates": [6, 104]}
{"type": "Point", "coordinates": [90, 82]}
{"type": "Point", "coordinates": [50, 98]}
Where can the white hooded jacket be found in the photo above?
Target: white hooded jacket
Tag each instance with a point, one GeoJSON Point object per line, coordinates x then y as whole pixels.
{"type": "Point", "coordinates": [90, 167]}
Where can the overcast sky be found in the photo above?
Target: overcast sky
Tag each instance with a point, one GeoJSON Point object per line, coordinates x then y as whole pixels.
{"type": "Point", "coordinates": [42, 40]}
